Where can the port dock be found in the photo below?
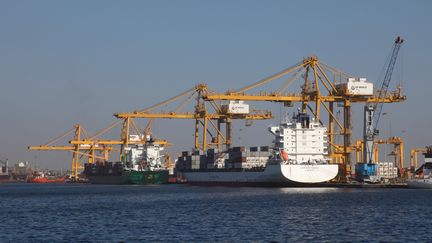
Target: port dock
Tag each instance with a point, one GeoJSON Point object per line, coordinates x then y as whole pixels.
{"type": "Point", "coordinates": [323, 91]}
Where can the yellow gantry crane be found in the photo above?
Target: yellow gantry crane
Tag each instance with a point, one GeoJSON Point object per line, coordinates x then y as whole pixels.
{"type": "Point", "coordinates": [317, 91]}
{"type": "Point", "coordinates": [78, 150]}
{"type": "Point", "coordinates": [398, 150]}
{"type": "Point", "coordinates": [84, 146]}
{"type": "Point", "coordinates": [414, 157]}
{"type": "Point", "coordinates": [204, 120]}
{"type": "Point", "coordinates": [128, 126]}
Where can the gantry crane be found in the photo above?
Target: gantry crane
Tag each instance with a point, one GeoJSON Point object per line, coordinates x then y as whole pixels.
{"type": "Point", "coordinates": [317, 89]}
{"type": "Point", "coordinates": [125, 138]}
{"type": "Point", "coordinates": [414, 157]}
{"type": "Point", "coordinates": [78, 150]}
{"type": "Point", "coordinates": [201, 115]}
{"type": "Point", "coordinates": [398, 150]}
{"type": "Point", "coordinates": [82, 145]}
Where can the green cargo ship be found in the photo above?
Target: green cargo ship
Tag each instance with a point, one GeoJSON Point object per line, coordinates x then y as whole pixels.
{"type": "Point", "coordinates": [141, 165]}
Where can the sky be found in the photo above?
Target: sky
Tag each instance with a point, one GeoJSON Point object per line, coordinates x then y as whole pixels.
{"type": "Point", "coordinates": [69, 62]}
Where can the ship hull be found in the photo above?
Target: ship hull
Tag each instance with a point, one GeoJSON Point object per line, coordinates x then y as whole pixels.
{"type": "Point", "coordinates": [131, 177]}
{"type": "Point", "coordinates": [46, 180]}
{"type": "Point", "coordinates": [272, 175]}
{"type": "Point", "coordinates": [149, 177]}
{"type": "Point", "coordinates": [107, 179]}
{"type": "Point", "coordinates": [420, 183]}
{"type": "Point", "coordinates": [6, 179]}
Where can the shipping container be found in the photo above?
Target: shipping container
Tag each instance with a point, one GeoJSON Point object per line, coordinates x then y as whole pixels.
{"type": "Point", "coordinates": [236, 107]}
{"type": "Point", "coordinates": [355, 87]}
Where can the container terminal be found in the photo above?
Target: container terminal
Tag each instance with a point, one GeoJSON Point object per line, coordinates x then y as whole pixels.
{"type": "Point", "coordinates": [326, 150]}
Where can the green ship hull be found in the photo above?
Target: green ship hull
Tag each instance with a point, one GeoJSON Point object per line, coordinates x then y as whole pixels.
{"type": "Point", "coordinates": [131, 177]}
{"type": "Point", "coordinates": [149, 177]}
{"type": "Point", "coordinates": [109, 179]}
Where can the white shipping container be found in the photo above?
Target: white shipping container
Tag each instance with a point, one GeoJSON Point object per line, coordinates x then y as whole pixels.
{"type": "Point", "coordinates": [236, 107]}
{"type": "Point", "coordinates": [356, 87]}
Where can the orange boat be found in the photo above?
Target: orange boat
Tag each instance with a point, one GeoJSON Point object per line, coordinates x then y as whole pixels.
{"type": "Point", "coordinates": [39, 177]}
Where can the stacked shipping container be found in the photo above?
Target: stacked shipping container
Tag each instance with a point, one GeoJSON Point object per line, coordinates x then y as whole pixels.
{"type": "Point", "coordinates": [387, 170]}
{"type": "Point", "coordinates": [234, 158]}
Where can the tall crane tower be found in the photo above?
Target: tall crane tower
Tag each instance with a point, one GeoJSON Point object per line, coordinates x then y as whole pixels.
{"type": "Point", "coordinates": [372, 111]}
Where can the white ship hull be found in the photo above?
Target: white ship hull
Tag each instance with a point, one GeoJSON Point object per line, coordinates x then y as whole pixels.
{"type": "Point", "coordinates": [420, 183]}
{"type": "Point", "coordinates": [272, 175]}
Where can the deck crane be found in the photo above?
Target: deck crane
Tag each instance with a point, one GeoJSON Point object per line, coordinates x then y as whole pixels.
{"type": "Point", "coordinates": [372, 111]}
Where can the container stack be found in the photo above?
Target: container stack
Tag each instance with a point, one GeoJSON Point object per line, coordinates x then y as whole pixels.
{"type": "Point", "coordinates": [243, 158]}
{"type": "Point", "coordinates": [387, 170]}
{"type": "Point", "coordinates": [184, 162]}
{"type": "Point", "coordinates": [195, 160]}
{"type": "Point", "coordinates": [215, 159]}
{"type": "Point", "coordinates": [234, 158]}
{"type": "Point", "coordinates": [103, 168]}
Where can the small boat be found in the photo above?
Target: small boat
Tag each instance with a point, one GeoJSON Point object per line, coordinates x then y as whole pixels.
{"type": "Point", "coordinates": [40, 177]}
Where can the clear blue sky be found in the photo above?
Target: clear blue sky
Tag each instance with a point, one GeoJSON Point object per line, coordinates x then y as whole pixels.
{"type": "Point", "coordinates": [67, 62]}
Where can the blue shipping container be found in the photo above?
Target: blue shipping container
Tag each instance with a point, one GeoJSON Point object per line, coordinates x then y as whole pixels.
{"type": "Point", "coordinates": [364, 170]}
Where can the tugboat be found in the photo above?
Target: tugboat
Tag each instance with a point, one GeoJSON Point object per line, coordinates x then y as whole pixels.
{"type": "Point", "coordinates": [142, 165]}
{"type": "Point", "coordinates": [41, 177]}
{"type": "Point", "coordinates": [423, 175]}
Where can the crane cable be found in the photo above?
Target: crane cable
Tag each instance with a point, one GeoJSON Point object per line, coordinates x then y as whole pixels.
{"type": "Point", "coordinates": [168, 100]}
{"type": "Point", "coordinates": [60, 137]}
{"type": "Point", "coordinates": [335, 70]}
{"type": "Point", "coordinates": [104, 130]}
{"type": "Point", "coordinates": [291, 80]}
{"type": "Point", "coordinates": [272, 77]}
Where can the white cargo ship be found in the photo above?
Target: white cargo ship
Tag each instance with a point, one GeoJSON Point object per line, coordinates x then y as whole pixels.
{"type": "Point", "coordinates": [299, 156]}
{"type": "Point", "coordinates": [423, 175]}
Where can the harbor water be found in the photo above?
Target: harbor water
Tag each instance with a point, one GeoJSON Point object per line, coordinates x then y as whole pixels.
{"type": "Point", "coordinates": [182, 213]}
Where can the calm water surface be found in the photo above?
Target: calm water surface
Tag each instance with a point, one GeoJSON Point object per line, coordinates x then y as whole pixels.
{"type": "Point", "coordinates": [180, 213]}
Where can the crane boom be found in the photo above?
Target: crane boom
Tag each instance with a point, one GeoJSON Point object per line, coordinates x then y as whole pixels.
{"type": "Point", "coordinates": [372, 113]}
{"type": "Point", "coordinates": [387, 78]}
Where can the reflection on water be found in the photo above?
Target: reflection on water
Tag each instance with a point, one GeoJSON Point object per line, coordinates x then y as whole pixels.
{"type": "Point", "coordinates": [301, 190]}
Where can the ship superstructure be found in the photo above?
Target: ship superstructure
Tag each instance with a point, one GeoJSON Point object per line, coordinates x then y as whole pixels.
{"type": "Point", "coordinates": [302, 141]}
{"type": "Point", "coordinates": [145, 156]}
{"type": "Point", "coordinates": [4, 171]}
